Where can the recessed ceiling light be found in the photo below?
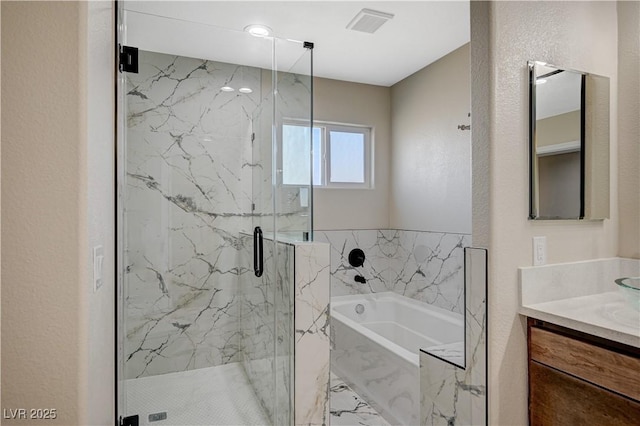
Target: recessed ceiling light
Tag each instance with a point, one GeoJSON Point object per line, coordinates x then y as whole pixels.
{"type": "Point", "coordinates": [245, 90]}
{"type": "Point", "coordinates": [258, 30]}
{"type": "Point", "coordinates": [227, 89]}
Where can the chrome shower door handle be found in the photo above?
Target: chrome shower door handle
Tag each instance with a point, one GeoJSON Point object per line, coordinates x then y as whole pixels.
{"type": "Point", "coordinates": [258, 257]}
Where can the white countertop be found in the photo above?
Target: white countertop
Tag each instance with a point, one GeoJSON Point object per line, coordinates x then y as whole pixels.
{"type": "Point", "coordinates": [582, 296]}
{"type": "Point", "coordinates": [604, 315]}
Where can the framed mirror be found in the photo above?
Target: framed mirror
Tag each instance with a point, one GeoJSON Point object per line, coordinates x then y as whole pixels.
{"type": "Point", "coordinates": [569, 144]}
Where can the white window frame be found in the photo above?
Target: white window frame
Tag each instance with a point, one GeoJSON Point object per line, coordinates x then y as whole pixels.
{"type": "Point", "coordinates": [325, 143]}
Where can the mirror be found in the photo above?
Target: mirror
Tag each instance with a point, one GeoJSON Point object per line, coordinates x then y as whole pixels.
{"type": "Point", "coordinates": [569, 144]}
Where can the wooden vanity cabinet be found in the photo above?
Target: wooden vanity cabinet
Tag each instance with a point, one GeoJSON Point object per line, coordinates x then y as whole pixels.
{"type": "Point", "coordinates": [579, 379]}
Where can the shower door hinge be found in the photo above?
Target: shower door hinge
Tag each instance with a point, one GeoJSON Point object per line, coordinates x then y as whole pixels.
{"type": "Point", "coordinates": [253, 207]}
{"type": "Point", "coordinates": [130, 421]}
{"type": "Point", "coordinates": [128, 60]}
{"type": "Point", "coordinates": [253, 137]}
{"type": "Point", "coordinates": [307, 45]}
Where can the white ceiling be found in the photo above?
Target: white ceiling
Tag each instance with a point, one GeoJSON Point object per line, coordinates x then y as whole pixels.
{"type": "Point", "coordinates": [420, 33]}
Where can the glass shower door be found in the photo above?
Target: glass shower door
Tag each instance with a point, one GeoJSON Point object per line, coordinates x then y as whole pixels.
{"type": "Point", "coordinates": [268, 312]}
{"type": "Point", "coordinates": [202, 335]}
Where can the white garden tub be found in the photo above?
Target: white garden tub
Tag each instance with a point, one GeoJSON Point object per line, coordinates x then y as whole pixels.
{"type": "Point", "coordinates": [376, 351]}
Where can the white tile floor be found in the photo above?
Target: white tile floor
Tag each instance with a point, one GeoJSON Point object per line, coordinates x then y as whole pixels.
{"type": "Point", "coordinates": [223, 396]}
{"type": "Point", "coordinates": [206, 396]}
{"type": "Point", "coordinates": [349, 409]}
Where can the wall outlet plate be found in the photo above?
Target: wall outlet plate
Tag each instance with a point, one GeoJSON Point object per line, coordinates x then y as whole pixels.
{"type": "Point", "coordinates": [98, 261]}
{"type": "Point", "coordinates": [539, 251]}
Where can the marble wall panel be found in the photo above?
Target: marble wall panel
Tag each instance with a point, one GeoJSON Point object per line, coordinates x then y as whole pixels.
{"type": "Point", "coordinates": [426, 266]}
{"type": "Point", "coordinates": [195, 183]}
{"type": "Point", "coordinates": [452, 395]}
{"type": "Point", "coordinates": [185, 203]}
{"type": "Point", "coordinates": [312, 345]}
{"type": "Point", "coordinates": [374, 268]}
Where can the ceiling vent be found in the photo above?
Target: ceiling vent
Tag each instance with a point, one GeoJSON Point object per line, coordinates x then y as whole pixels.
{"type": "Point", "coordinates": [368, 20]}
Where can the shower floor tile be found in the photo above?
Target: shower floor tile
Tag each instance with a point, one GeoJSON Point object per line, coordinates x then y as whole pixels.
{"type": "Point", "coordinates": [349, 409]}
{"type": "Point", "coordinates": [207, 396]}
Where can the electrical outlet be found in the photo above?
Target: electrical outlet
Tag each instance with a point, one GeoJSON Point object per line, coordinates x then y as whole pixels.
{"type": "Point", "coordinates": [539, 251]}
{"type": "Point", "coordinates": [98, 261]}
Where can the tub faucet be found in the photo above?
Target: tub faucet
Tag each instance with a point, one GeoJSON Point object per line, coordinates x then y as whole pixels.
{"type": "Point", "coordinates": [360, 279]}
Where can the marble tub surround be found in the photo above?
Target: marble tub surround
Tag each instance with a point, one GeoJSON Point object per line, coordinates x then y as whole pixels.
{"type": "Point", "coordinates": [376, 350]}
{"type": "Point", "coordinates": [312, 338]}
{"type": "Point", "coordinates": [582, 296]}
{"type": "Point", "coordinates": [425, 266]}
{"type": "Point", "coordinates": [349, 409]}
{"type": "Point", "coordinates": [451, 394]}
{"type": "Point", "coordinates": [185, 200]}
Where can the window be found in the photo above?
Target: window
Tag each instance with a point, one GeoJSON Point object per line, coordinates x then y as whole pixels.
{"type": "Point", "coordinates": [341, 155]}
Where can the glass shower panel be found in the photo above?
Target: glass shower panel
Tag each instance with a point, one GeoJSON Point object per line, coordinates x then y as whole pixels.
{"type": "Point", "coordinates": [121, 401]}
{"type": "Point", "coordinates": [205, 339]}
{"type": "Point", "coordinates": [294, 115]}
{"type": "Point", "coordinates": [269, 299]}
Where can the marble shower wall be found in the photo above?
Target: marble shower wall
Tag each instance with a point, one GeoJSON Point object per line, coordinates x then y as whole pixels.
{"type": "Point", "coordinates": [187, 194]}
{"type": "Point", "coordinates": [312, 334]}
{"type": "Point", "coordinates": [426, 266]}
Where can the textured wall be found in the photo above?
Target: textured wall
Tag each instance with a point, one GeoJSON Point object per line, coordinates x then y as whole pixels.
{"type": "Point", "coordinates": [367, 105]}
{"type": "Point", "coordinates": [629, 127]}
{"type": "Point", "coordinates": [573, 34]}
{"type": "Point", "coordinates": [98, 328]}
{"type": "Point", "coordinates": [430, 156]}
{"type": "Point", "coordinates": [43, 100]}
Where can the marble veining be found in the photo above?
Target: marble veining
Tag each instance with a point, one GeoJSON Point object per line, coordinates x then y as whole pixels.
{"type": "Point", "coordinates": [451, 395]}
{"type": "Point", "coordinates": [312, 333]}
{"type": "Point", "coordinates": [194, 181]}
{"type": "Point", "coordinates": [198, 179]}
{"type": "Point", "coordinates": [426, 266]}
{"type": "Point", "coordinates": [185, 203]}
{"type": "Point", "coordinates": [349, 409]}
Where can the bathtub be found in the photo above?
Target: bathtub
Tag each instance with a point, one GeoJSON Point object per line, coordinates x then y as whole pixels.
{"type": "Point", "coordinates": [376, 352]}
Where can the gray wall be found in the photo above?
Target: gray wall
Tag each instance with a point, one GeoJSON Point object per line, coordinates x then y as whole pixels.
{"type": "Point", "coordinates": [367, 105]}
{"type": "Point", "coordinates": [430, 157]}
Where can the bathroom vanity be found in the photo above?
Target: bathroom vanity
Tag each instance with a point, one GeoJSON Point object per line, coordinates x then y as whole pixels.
{"type": "Point", "coordinates": [577, 378]}
{"type": "Point", "coordinates": [583, 344]}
